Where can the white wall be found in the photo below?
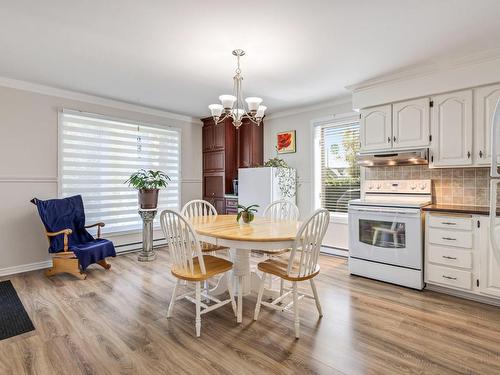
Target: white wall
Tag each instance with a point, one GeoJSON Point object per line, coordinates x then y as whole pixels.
{"type": "Point", "coordinates": [423, 80]}
{"type": "Point", "coordinates": [301, 122]}
{"type": "Point", "coordinates": [28, 162]}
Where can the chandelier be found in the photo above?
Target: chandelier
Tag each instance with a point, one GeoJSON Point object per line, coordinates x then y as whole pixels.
{"type": "Point", "coordinates": [232, 105]}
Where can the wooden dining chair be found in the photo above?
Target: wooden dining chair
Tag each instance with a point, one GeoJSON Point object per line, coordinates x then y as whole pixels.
{"type": "Point", "coordinates": [302, 265]}
{"type": "Point", "coordinates": [199, 207]}
{"type": "Point", "coordinates": [282, 210]}
{"type": "Point", "coordinates": [190, 265]}
{"type": "Point", "coordinates": [279, 210]}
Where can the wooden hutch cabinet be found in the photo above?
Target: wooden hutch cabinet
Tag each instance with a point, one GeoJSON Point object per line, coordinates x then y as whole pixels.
{"type": "Point", "coordinates": [225, 149]}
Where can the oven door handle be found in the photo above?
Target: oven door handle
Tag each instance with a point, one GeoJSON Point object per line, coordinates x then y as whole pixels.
{"type": "Point", "coordinates": [385, 211]}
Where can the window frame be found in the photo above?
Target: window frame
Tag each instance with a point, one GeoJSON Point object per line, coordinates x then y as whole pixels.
{"type": "Point", "coordinates": [333, 120]}
{"type": "Point", "coordinates": [63, 111]}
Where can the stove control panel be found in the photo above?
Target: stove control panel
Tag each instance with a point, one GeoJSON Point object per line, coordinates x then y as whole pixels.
{"type": "Point", "coordinates": [398, 186]}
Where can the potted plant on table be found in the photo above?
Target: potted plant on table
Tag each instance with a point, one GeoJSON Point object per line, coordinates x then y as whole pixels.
{"type": "Point", "coordinates": [247, 213]}
{"type": "Point", "coordinates": [148, 183]}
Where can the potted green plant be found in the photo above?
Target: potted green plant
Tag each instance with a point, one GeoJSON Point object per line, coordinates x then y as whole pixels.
{"type": "Point", "coordinates": [247, 213]}
{"type": "Point", "coordinates": [148, 183]}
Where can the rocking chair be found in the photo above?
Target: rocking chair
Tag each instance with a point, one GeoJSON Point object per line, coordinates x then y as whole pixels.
{"type": "Point", "coordinates": [72, 246]}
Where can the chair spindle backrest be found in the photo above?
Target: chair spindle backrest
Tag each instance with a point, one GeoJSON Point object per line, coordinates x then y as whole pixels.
{"type": "Point", "coordinates": [282, 210]}
{"type": "Point", "coordinates": [182, 240]}
{"type": "Point", "coordinates": [198, 207]}
{"type": "Point", "coordinates": [307, 244]}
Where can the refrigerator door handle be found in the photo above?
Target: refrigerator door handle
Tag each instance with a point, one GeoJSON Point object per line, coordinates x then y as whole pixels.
{"type": "Point", "coordinates": [493, 225]}
{"type": "Point", "coordinates": [495, 123]}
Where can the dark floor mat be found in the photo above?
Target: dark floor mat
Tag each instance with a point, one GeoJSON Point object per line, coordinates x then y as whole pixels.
{"type": "Point", "coordinates": [14, 319]}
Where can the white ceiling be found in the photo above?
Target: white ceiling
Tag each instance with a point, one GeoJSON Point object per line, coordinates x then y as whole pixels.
{"type": "Point", "coordinates": [176, 55]}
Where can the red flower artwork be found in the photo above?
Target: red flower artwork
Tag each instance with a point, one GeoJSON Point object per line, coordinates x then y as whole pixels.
{"type": "Point", "coordinates": [284, 140]}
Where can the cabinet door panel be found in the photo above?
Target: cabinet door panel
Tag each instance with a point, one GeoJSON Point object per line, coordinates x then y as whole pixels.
{"type": "Point", "coordinates": [251, 144]}
{"type": "Point", "coordinates": [485, 101]}
{"type": "Point", "coordinates": [376, 128]}
{"type": "Point", "coordinates": [410, 121]}
{"type": "Point", "coordinates": [213, 161]}
{"type": "Point", "coordinates": [208, 137]}
{"type": "Point", "coordinates": [213, 186]}
{"type": "Point", "coordinates": [219, 205]}
{"type": "Point", "coordinates": [219, 136]}
{"type": "Point", "coordinates": [451, 124]}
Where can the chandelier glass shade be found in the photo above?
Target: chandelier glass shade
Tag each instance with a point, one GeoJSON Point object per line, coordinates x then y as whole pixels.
{"type": "Point", "coordinates": [233, 106]}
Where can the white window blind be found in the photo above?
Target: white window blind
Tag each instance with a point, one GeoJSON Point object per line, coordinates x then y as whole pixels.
{"type": "Point", "coordinates": [339, 174]}
{"type": "Point", "coordinates": [97, 155]}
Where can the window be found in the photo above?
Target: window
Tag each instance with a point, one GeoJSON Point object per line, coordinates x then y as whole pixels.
{"type": "Point", "coordinates": [98, 154]}
{"type": "Point", "coordinates": [337, 175]}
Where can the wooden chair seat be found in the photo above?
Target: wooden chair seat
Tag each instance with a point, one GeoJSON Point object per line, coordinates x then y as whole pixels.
{"type": "Point", "coordinates": [279, 267]}
{"type": "Point", "coordinates": [213, 265]}
{"type": "Point", "coordinates": [209, 248]}
{"type": "Point", "coordinates": [272, 252]}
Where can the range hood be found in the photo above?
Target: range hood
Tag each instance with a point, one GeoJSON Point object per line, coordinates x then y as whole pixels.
{"type": "Point", "coordinates": [388, 158]}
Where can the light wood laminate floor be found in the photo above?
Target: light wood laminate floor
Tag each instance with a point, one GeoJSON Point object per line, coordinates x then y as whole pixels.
{"type": "Point", "coordinates": [114, 323]}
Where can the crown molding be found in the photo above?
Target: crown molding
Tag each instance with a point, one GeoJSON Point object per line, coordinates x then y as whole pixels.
{"type": "Point", "coordinates": [424, 69]}
{"type": "Point", "coordinates": [92, 99]}
{"type": "Point", "coordinates": [309, 108]}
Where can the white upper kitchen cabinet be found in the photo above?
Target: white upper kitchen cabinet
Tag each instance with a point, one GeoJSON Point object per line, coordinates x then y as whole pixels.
{"type": "Point", "coordinates": [376, 128]}
{"type": "Point", "coordinates": [485, 100]}
{"type": "Point", "coordinates": [410, 123]}
{"type": "Point", "coordinates": [451, 129]}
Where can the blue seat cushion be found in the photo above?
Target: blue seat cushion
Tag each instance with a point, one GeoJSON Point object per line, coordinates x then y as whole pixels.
{"type": "Point", "coordinates": [93, 251]}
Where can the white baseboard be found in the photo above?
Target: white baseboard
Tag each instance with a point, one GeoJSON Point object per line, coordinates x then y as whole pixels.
{"type": "Point", "coordinates": [25, 268]}
{"type": "Point", "coordinates": [48, 263]}
{"type": "Point", "coordinates": [335, 251]}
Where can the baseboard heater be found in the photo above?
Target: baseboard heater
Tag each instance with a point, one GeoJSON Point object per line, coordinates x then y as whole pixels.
{"type": "Point", "coordinates": [134, 246]}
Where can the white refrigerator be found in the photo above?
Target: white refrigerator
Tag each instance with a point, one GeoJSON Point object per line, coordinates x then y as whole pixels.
{"type": "Point", "coordinates": [265, 185]}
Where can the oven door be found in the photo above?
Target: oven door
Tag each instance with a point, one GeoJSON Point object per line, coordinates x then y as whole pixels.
{"type": "Point", "coordinates": [388, 235]}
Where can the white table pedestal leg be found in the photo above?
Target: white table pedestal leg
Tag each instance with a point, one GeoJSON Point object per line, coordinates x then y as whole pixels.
{"type": "Point", "coordinates": [241, 273]}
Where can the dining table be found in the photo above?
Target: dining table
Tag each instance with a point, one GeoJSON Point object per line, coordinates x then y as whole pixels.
{"type": "Point", "coordinates": [241, 238]}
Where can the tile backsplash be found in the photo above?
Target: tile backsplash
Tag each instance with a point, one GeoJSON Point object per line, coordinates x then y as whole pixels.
{"type": "Point", "coordinates": [467, 186]}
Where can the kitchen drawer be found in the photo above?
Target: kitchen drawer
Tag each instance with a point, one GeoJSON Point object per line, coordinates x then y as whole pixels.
{"type": "Point", "coordinates": [449, 256]}
{"type": "Point", "coordinates": [231, 203]}
{"type": "Point", "coordinates": [454, 238]}
{"type": "Point", "coordinates": [449, 276]}
{"type": "Point", "coordinates": [231, 211]}
{"type": "Point", "coordinates": [450, 222]}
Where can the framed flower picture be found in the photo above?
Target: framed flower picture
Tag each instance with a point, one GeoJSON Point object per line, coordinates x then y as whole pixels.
{"type": "Point", "coordinates": [286, 142]}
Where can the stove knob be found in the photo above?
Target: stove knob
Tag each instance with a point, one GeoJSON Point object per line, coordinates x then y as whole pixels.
{"type": "Point", "coordinates": [413, 187]}
{"type": "Point", "coordinates": [423, 186]}
{"type": "Point", "coordinates": [379, 186]}
{"type": "Point", "coordinates": [370, 187]}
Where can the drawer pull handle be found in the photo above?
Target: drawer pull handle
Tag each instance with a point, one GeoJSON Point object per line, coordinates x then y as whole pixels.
{"type": "Point", "coordinates": [449, 238]}
{"type": "Point", "coordinates": [449, 277]}
{"type": "Point", "coordinates": [448, 223]}
{"type": "Point", "coordinates": [448, 257]}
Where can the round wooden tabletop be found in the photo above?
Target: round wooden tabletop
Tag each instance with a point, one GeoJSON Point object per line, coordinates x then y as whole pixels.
{"type": "Point", "coordinates": [259, 230]}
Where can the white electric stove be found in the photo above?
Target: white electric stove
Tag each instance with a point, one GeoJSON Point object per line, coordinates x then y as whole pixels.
{"type": "Point", "coordinates": [386, 231]}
